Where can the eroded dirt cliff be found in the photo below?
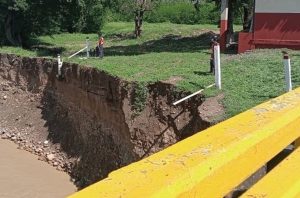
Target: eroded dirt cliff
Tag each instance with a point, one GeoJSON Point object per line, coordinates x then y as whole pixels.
{"type": "Point", "coordinates": [94, 121]}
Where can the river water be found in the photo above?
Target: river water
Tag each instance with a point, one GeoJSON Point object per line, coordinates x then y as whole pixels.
{"type": "Point", "coordinates": [22, 175]}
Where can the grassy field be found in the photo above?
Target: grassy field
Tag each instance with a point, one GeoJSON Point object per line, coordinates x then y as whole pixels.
{"type": "Point", "coordinates": [169, 50]}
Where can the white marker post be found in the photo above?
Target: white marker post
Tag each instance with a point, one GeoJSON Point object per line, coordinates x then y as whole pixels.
{"type": "Point", "coordinates": [287, 68]}
{"type": "Point", "coordinates": [59, 63]}
{"type": "Point", "coordinates": [217, 62]}
{"type": "Point", "coordinates": [87, 47]}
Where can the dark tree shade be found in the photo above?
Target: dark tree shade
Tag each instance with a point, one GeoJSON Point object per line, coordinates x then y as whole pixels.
{"type": "Point", "coordinates": [21, 20]}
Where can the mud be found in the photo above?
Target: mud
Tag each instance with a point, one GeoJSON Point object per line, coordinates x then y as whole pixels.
{"type": "Point", "coordinates": [94, 122]}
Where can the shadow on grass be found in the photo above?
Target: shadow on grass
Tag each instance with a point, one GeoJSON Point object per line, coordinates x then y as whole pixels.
{"type": "Point", "coordinates": [121, 36]}
{"type": "Point", "coordinates": [168, 43]}
{"type": "Point", "coordinates": [44, 49]}
{"type": "Point", "coordinates": [201, 73]}
{"type": "Point", "coordinates": [266, 97]}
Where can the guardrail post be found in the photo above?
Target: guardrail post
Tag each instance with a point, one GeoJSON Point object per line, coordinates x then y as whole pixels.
{"type": "Point", "coordinates": [87, 47]}
{"type": "Point", "coordinates": [297, 143]}
{"type": "Point", "coordinates": [217, 62]}
{"type": "Point", "coordinates": [287, 68]}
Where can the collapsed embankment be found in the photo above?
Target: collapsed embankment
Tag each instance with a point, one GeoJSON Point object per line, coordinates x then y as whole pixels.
{"type": "Point", "coordinates": [100, 121]}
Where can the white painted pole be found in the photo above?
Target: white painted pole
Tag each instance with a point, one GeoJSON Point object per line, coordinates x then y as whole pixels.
{"type": "Point", "coordinates": [287, 68]}
{"type": "Point", "coordinates": [87, 48]}
{"type": "Point", "coordinates": [59, 63]}
{"type": "Point", "coordinates": [189, 96]}
{"type": "Point", "coordinates": [217, 61]}
{"type": "Point", "coordinates": [224, 24]}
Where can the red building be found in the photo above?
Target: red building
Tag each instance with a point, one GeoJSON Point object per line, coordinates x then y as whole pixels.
{"type": "Point", "coordinates": [276, 24]}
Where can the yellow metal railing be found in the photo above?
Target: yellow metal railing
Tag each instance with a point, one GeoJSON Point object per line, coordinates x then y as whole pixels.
{"type": "Point", "coordinates": [213, 162]}
{"type": "Point", "coordinates": [283, 181]}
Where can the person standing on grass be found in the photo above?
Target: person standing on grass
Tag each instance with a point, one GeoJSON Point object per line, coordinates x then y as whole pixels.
{"type": "Point", "coordinates": [214, 43]}
{"type": "Point", "coordinates": [100, 46]}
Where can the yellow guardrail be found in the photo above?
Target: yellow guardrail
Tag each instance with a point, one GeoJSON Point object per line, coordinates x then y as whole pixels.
{"type": "Point", "coordinates": [283, 181]}
{"type": "Point", "coordinates": [213, 162]}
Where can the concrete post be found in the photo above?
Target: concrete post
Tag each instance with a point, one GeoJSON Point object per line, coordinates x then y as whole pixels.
{"type": "Point", "coordinates": [59, 63]}
{"type": "Point", "coordinates": [217, 61]}
{"type": "Point", "coordinates": [287, 68]}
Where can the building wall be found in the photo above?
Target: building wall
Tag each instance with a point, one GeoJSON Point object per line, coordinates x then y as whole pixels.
{"type": "Point", "coordinates": [277, 22]}
{"type": "Point", "coordinates": [276, 25]}
{"type": "Point", "coordinates": [277, 6]}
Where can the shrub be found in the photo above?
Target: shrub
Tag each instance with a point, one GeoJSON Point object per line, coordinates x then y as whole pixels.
{"type": "Point", "coordinates": [176, 12]}
{"type": "Point", "coordinates": [183, 13]}
{"type": "Point", "coordinates": [140, 97]}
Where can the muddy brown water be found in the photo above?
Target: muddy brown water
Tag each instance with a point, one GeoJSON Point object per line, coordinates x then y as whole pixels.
{"type": "Point", "coordinates": [22, 175]}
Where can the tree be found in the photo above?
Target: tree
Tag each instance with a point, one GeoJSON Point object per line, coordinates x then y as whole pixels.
{"type": "Point", "coordinates": [138, 8]}
{"type": "Point", "coordinates": [10, 12]}
{"type": "Point", "coordinates": [21, 20]}
{"type": "Point", "coordinates": [71, 15]}
{"type": "Point", "coordinates": [93, 15]}
{"type": "Point", "coordinates": [248, 13]}
{"type": "Point", "coordinates": [196, 4]}
{"type": "Point", "coordinates": [236, 8]}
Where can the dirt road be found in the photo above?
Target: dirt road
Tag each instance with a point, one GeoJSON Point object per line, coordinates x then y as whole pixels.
{"type": "Point", "coordinates": [22, 175]}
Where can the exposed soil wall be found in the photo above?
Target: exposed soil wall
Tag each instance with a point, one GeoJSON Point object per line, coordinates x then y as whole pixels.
{"type": "Point", "coordinates": [92, 115]}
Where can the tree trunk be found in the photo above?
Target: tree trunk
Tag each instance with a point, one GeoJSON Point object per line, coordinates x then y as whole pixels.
{"type": "Point", "coordinates": [136, 22]}
{"type": "Point", "coordinates": [230, 20]}
{"type": "Point", "coordinates": [139, 14]}
{"type": "Point", "coordinates": [197, 5]}
{"type": "Point", "coordinates": [12, 37]}
{"type": "Point", "coordinates": [248, 15]}
{"type": "Point", "coordinates": [245, 18]}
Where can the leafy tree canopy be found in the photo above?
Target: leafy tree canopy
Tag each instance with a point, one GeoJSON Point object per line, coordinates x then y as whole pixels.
{"type": "Point", "coordinates": [23, 19]}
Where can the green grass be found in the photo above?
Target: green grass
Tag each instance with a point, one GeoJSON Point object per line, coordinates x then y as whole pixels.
{"type": "Point", "coordinates": [18, 51]}
{"type": "Point", "coordinates": [121, 34]}
{"type": "Point", "coordinates": [170, 50]}
{"type": "Point", "coordinates": [251, 79]}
